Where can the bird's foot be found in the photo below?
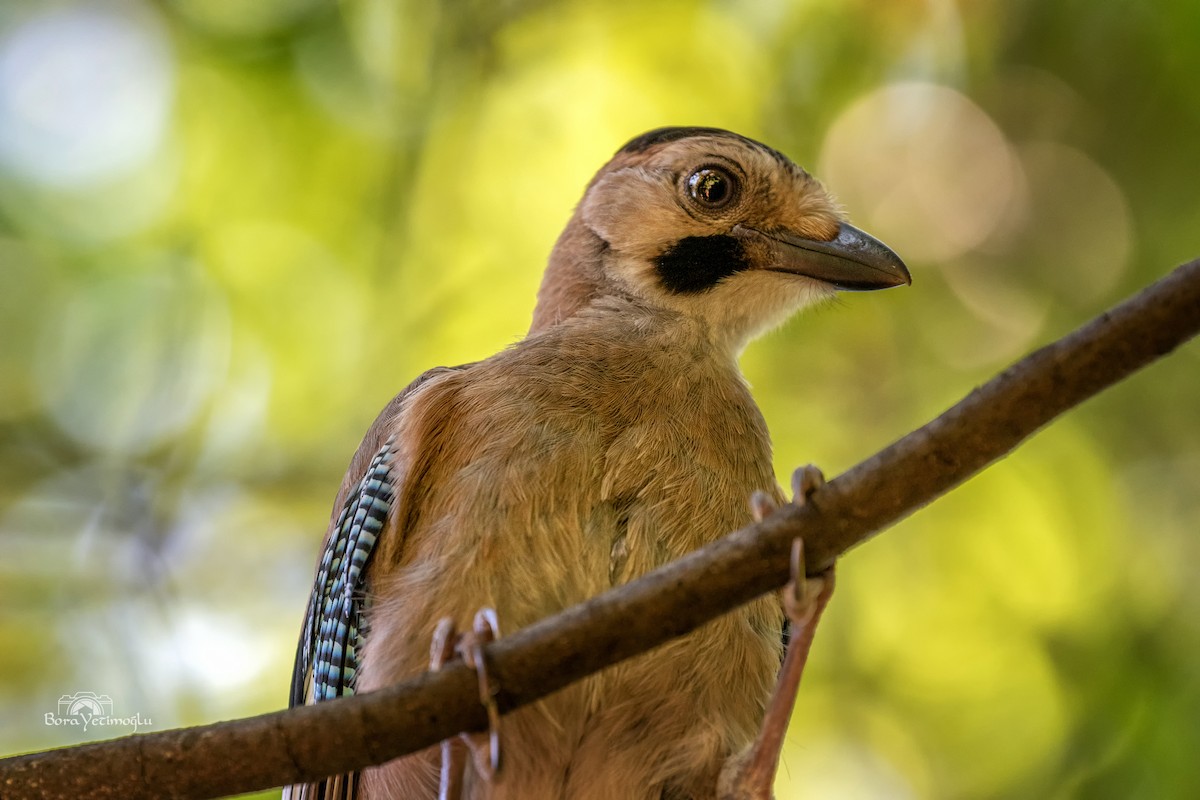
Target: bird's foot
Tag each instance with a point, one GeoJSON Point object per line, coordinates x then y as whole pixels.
{"type": "Point", "coordinates": [450, 773]}
{"type": "Point", "coordinates": [804, 598]}
{"type": "Point", "coordinates": [469, 645]}
{"type": "Point", "coordinates": [751, 774]}
{"type": "Point", "coordinates": [805, 481]}
{"type": "Point", "coordinates": [485, 629]}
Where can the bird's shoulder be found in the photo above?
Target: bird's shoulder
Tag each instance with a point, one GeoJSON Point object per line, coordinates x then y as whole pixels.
{"type": "Point", "coordinates": [386, 424]}
{"type": "Point", "coordinates": [616, 367]}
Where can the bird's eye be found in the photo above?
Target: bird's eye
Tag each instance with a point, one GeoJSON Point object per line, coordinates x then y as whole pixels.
{"type": "Point", "coordinates": [712, 187]}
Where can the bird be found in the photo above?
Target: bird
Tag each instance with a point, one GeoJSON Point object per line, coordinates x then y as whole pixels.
{"type": "Point", "coordinates": [617, 435]}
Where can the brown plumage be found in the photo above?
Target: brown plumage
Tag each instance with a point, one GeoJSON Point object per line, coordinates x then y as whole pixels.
{"type": "Point", "coordinates": [617, 435]}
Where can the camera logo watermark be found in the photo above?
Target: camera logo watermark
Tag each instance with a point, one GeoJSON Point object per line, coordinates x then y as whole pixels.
{"type": "Point", "coordinates": [86, 709]}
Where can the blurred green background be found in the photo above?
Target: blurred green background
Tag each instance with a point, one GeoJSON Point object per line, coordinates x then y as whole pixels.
{"type": "Point", "coordinates": [230, 231]}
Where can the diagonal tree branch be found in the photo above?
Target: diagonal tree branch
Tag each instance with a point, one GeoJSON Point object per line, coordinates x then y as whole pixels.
{"type": "Point", "coordinates": [354, 732]}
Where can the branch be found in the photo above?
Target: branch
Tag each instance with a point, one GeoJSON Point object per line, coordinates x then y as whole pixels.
{"type": "Point", "coordinates": [354, 732]}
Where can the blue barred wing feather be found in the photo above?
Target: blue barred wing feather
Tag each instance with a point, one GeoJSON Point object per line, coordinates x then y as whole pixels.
{"type": "Point", "coordinates": [327, 658]}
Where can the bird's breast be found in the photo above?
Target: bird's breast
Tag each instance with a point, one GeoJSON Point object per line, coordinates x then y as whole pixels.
{"type": "Point", "coordinates": [589, 468]}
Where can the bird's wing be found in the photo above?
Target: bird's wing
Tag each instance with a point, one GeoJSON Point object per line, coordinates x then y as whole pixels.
{"type": "Point", "coordinates": [327, 657]}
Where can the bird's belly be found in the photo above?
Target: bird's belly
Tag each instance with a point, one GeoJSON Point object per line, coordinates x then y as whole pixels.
{"type": "Point", "coordinates": [565, 514]}
{"type": "Point", "coordinates": [564, 526]}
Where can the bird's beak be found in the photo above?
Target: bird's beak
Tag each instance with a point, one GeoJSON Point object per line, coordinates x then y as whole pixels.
{"type": "Point", "coordinates": [851, 261]}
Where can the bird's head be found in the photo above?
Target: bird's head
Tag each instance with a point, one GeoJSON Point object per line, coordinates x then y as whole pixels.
{"type": "Point", "coordinates": [714, 226]}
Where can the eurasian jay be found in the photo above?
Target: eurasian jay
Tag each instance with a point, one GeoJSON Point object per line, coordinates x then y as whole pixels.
{"type": "Point", "coordinates": [616, 436]}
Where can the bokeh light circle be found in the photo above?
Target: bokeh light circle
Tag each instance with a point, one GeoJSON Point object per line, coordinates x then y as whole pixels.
{"type": "Point", "coordinates": [85, 92]}
{"type": "Point", "coordinates": [925, 168]}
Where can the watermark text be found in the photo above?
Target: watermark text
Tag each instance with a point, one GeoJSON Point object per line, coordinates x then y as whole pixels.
{"type": "Point", "coordinates": [88, 709]}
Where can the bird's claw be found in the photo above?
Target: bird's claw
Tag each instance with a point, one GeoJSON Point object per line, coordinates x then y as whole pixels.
{"type": "Point", "coordinates": [485, 629]}
{"type": "Point", "coordinates": [446, 644]}
{"type": "Point", "coordinates": [762, 505]}
{"type": "Point", "coordinates": [804, 598]}
{"type": "Point", "coordinates": [805, 481]}
{"type": "Point", "coordinates": [450, 773]}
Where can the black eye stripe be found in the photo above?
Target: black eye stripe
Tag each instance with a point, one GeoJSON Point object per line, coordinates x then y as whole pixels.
{"type": "Point", "coordinates": [696, 264]}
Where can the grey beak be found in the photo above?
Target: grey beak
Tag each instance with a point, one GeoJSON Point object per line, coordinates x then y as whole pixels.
{"type": "Point", "coordinates": [852, 261]}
